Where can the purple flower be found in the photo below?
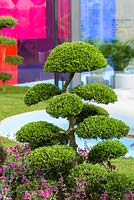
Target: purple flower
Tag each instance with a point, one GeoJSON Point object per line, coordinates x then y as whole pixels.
{"type": "Point", "coordinates": [1, 196]}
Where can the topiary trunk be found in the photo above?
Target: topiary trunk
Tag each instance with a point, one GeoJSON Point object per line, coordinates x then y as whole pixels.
{"type": "Point", "coordinates": [71, 136]}
{"type": "Point", "coordinates": [4, 86]}
{"type": "Point", "coordinates": [67, 82]}
{"type": "Point", "coordinates": [3, 66]}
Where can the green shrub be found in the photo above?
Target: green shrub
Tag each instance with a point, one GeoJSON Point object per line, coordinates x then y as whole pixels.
{"type": "Point", "coordinates": [7, 41]}
{"type": "Point", "coordinates": [99, 180]}
{"type": "Point", "coordinates": [51, 157]}
{"type": "Point", "coordinates": [90, 110]}
{"type": "Point", "coordinates": [7, 22]}
{"type": "Point", "coordinates": [91, 174]}
{"type": "Point", "coordinates": [14, 60]}
{"type": "Point", "coordinates": [101, 127]}
{"type": "Point", "coordinates": [65, 105]}
{"type": "Point", "coordinates": [86, 171]}
{"type": "Point", "coordinates": [40, 92]}
{"type": "Point", "coordinates": [116, 185]}
{"type": "Point", "coordinates": [5, 76]}
{"type": "Point", "coordinates": [41, 133]}
{"type": "Point", "coordinates": [74, 57]}
{"type": "Point", "coordinates": [98, 92]}
{"type": "Point", "coordinates": [106, 150]}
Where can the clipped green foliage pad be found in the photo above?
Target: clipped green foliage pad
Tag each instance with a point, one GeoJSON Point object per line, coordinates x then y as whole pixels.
{"type": "Point", "coordinates": [40, 92]}
{"type": "Point", "coordinates": [7, 22]}
{"type": "Point", "coordinates": [106, 150]}
{"type": "Point", "coordinates": [51, 157]}
{"type": "Point", "coordinates": [102, 127]}
{"type": "Point", "coordinates": [74, 57]}
{"type": "Point", "coordinates": [90, 110]}
{"type": "Point", "coordinates": [41, 133]}
{"type": "Point", "coordinates": [99, 93]}
{"type": "Point", "coordinates": [65, 105]}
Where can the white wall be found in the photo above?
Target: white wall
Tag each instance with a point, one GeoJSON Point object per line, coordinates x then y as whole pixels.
{"type": "Point", "coordinates": [125, 19]}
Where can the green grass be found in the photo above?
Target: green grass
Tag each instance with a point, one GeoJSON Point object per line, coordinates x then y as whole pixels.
{"type": "Point", "coordinates": [12, 102]}
{"type": "Point", "coordinates": [125, 165]}
{"type": "Point", "coordinates": [6, 143]}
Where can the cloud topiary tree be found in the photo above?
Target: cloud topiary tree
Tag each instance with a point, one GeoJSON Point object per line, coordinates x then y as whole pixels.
{"type": "Point", "coordinates": [85, 120]}
{"type": "Point", "coordinates": [7, 22]}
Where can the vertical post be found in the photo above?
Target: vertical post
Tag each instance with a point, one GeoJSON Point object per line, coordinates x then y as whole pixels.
{"type": "Point", "coordinates": [75, 20]}
{"type": "Point", "coordinates": [56, 35]}
{"type": "Point", "coordinates": [75, 33]}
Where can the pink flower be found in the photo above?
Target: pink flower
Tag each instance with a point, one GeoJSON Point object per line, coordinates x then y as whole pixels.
{"type": "Point", "coordinates": [4, 167]}
{"type": "Point", "coordinates": [1, 171]}
{"type": "Point", "coordinates": [17, 157]}
{"type": "Point", "coordinates": [17, 146]}
{"type": "Point", "coordinates": [13, 164]}
{"type": "Point", "coordinates": [11, 148]}
{"type": "Point", "coordinates": [26, 196]}
{"type": "Point", "coordinates": [0, 196]}
{"type": "Point", "coordinates": [45, 194]}
{"type": "Point", "coordinates": [3, 177]}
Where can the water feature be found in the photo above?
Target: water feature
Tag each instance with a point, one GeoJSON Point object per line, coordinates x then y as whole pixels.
{"type": "Point", "coordinates": [123, 109]}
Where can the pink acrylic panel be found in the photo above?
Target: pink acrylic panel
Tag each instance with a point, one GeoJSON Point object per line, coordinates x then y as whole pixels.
{"type": "Point", "coordinates": [60, 29]}
{"type": "Point", "coordinates": [64, 19]}
{"type": "Point", "coordinates": [31, 16]}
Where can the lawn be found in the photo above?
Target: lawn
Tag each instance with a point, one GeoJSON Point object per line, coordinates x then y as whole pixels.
{"type": "Point", "coordinates": [125, 165]}
{"type": "Point", "coordinates": [12, 102]}
{"type": "Point", "coordinates": [6, 143]}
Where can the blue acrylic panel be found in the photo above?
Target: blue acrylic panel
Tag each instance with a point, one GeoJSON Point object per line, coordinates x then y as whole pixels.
{"type": "Point", "coordinates": [98, 19]}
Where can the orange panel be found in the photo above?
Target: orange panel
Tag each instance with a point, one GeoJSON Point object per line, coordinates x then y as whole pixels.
{"type": "Point", "coordinates": [10, 50]}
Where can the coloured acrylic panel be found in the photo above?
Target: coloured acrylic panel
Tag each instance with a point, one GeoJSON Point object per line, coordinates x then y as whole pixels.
{"type": "Point", "coordinates": [35, 33]}
{"type": "Point", "coordinates": [64, 23]}
{"type": "Point", "coordinates": [31, 15]}
{"type": "Point", "coordinates": [98, 19]}
{"type": "Point", "coordinates": [35, 36]}
{"type": "Point", "coordinates": [35, 51]}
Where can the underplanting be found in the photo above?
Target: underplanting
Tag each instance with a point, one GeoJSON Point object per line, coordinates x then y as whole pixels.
{"type": "Point", "coordinates": [49, 164]}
